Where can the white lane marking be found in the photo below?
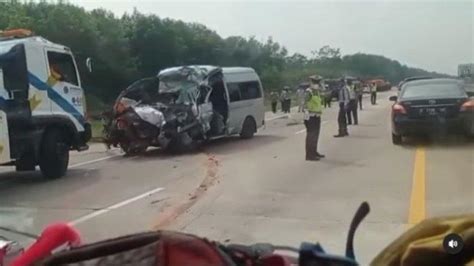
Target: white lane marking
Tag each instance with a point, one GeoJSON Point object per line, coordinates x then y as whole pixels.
{"type": "Point", "coordinates": [304, 130]}
{"type": "Point", "coordinates": [301, 131]}
{"type": "Point", "coordinates": [94, 161]}
{"type": "Point", "coordinates": [114, 207]}
{"type": "Point", "coordinates": [276, 117]}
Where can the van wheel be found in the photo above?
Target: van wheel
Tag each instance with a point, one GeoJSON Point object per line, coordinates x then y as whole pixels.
{"type": "Point", "coordinates": [54, 154]}
{"type": "Point", "coordinates": [248, 128]}
{"type": "Point", "coordinates": [396, 139]}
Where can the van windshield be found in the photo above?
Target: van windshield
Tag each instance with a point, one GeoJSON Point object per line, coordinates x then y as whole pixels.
{"type": "Point", "coordinates": [176, 79]}
{"type": "Point", "coordinates": [182, 81]}
{"type": "Point", "coordinates": [176, 83]}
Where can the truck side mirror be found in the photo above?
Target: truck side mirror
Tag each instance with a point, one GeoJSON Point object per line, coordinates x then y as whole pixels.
{"type": "Point", "coordinates": [89, 64]}
{"type": "Point", "coordinates": [393, 98]}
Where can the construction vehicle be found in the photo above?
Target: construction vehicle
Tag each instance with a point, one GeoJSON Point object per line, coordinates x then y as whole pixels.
{"type": "Point", "coordinates": [42, 104]}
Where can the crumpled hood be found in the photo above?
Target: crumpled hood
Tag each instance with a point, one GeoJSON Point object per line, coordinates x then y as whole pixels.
{"type": "Point", "coordinates": [150, 115]}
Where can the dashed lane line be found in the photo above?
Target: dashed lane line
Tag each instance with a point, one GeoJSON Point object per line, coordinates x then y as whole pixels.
{"type": "Point", "coordinates": [118, 205]}
{"type": "Point", "coordinates": [304, 130]}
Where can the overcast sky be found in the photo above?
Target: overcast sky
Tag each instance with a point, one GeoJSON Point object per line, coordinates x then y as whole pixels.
{"type": "Point", "coordinates": [435, 35]}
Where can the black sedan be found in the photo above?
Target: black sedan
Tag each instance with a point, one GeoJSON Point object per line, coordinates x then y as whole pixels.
{"type": "Point", "coordinates": [432, 106]}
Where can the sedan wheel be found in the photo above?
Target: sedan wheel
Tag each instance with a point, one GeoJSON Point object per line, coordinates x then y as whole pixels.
{"type": "Point", "coordinates": [396, 139]}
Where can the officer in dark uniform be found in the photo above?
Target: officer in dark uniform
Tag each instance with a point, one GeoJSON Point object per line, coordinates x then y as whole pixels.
{"type": "Point", "coordinates": [343, 98]}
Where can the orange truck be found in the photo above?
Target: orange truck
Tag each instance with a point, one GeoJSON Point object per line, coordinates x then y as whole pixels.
{"type": "Point", "coordinates": [382, 85]}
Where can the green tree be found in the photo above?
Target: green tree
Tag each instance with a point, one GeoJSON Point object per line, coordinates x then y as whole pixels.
{"type": "Point", "coordinates": [135, 45]}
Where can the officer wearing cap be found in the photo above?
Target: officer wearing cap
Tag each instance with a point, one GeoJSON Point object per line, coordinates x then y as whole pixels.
{"type": "Point", "coordinates": [312, 120]}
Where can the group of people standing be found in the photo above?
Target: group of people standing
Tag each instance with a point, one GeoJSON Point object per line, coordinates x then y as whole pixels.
{"type": "Point", "coordinates": [284, 98]}
{"type": "Point", "coordinates": [312, 100]}
{"type": "Point", "coordinates": [349, 98]}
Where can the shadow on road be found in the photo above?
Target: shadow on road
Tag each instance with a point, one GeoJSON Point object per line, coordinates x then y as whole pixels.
{"type": "Point", "coordinates": [235, 144]}
{"type": "Point", "coordinates": [160, 154]}
{"type": "Point", "coordinates": [368, 125]}
{"type": "Point", "coordinates": [75, 179]}
{"type": "Point", "coordinates": [439, 141]}
{"type": "Point", "coordinates": [223, 146]}
{"type": "Point", "coordinates": [366, 136]}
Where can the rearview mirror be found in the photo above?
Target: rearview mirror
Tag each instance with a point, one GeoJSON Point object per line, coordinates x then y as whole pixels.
{"type": "Point", "coordinates": [393, 98]}
{"type": "Point", "coordinates": [89, 64]}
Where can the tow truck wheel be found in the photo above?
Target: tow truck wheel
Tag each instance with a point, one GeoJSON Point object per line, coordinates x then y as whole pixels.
{"type": "Point", "coordinates": [54, 154]}
{"type": "Point", "coordinates": [248, 128]}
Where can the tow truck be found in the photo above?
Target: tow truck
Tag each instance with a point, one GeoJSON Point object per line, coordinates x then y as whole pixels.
{"type": "Point", "coordinates": [42, 104]}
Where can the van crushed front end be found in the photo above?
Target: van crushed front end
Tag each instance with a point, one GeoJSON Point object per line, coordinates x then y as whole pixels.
{"type": "Point", "coordinates": [167, 111]}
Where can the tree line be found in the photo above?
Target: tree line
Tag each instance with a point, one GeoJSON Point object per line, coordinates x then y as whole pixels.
{"type": "Point", "coordinates": [136, 45]}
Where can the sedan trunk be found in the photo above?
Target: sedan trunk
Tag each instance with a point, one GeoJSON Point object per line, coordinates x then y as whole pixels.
{"type": "Point", "coordinates": [445, 108]}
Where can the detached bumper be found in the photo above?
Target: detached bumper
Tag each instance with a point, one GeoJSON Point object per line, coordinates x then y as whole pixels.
{"type": "Point", "coordinates": [403, 125]}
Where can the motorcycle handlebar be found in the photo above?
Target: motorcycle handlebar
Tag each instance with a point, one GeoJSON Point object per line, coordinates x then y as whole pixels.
{"type": "Point", "coordinates": [308, 254]}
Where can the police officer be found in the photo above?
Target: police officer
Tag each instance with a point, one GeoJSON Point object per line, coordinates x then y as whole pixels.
{"type": "Point", "coordinates": [359, 92]}
{"type": "Point", "coordinates": [287, 99]}
{"type": "Point", "coordinates": [274, 99]}
{"type": "Point", "coordinates": [312, 121]}
{"type": "Point", "coordinates": [300, 95]}
{"type": "Point", "coordinates": [352, 110]}
{"type": "Point", "coordinates": [373, 93]}
{"type": "Point", "coordinates": [343, 99]}
{"type": "Point", "coordinates": [327, 96]}
{"type": "Point", "coordinates": [283, 97]}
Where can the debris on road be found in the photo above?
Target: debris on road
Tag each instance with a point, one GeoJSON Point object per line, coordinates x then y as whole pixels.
{"type": "Point", "coordinates": [181, 206]}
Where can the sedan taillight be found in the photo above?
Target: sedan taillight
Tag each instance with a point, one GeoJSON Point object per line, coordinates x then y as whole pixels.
{"type": "Point", "coordinates": [398, 109]}
{"type": "Point", "coordinates": [467, 106]}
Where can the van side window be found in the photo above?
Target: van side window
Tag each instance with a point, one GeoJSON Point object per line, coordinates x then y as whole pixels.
{"type": "Point", "coordinates": [234, 92]}
{"type": "Point", "coordinates": [250, 90]}
{"type": "Point", "coordinates": [62, 65]}
{"type": "Point", "coordinates": [240, 91]}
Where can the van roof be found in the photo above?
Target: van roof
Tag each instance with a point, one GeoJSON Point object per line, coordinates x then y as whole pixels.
{"type": "Point", "coordinates": [230, 70]}
{"type": "Point", "coordinates": [171, 69]}
{"type": "Point", "coordinates": [226, 70]}
{"type": "Point", "coordinates": [33, 40]}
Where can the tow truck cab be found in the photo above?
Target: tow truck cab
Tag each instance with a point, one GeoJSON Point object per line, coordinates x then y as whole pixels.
{"type": "Point", "coordinates": [42, 104]}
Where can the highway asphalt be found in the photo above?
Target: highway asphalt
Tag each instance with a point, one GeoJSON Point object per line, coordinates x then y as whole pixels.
{"type": "Point", "coordinates": [256, 190]}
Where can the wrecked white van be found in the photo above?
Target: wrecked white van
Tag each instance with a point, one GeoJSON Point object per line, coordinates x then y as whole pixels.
{"type": "Point", "coordinates": [185, 105]}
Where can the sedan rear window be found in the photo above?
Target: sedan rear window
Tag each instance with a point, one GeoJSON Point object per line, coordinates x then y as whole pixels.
{"type": "Point", "coordinates": [433, 90]}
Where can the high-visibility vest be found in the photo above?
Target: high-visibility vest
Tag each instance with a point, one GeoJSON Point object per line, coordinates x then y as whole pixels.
{"type": "Point", "coordinates": [314, 104]}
